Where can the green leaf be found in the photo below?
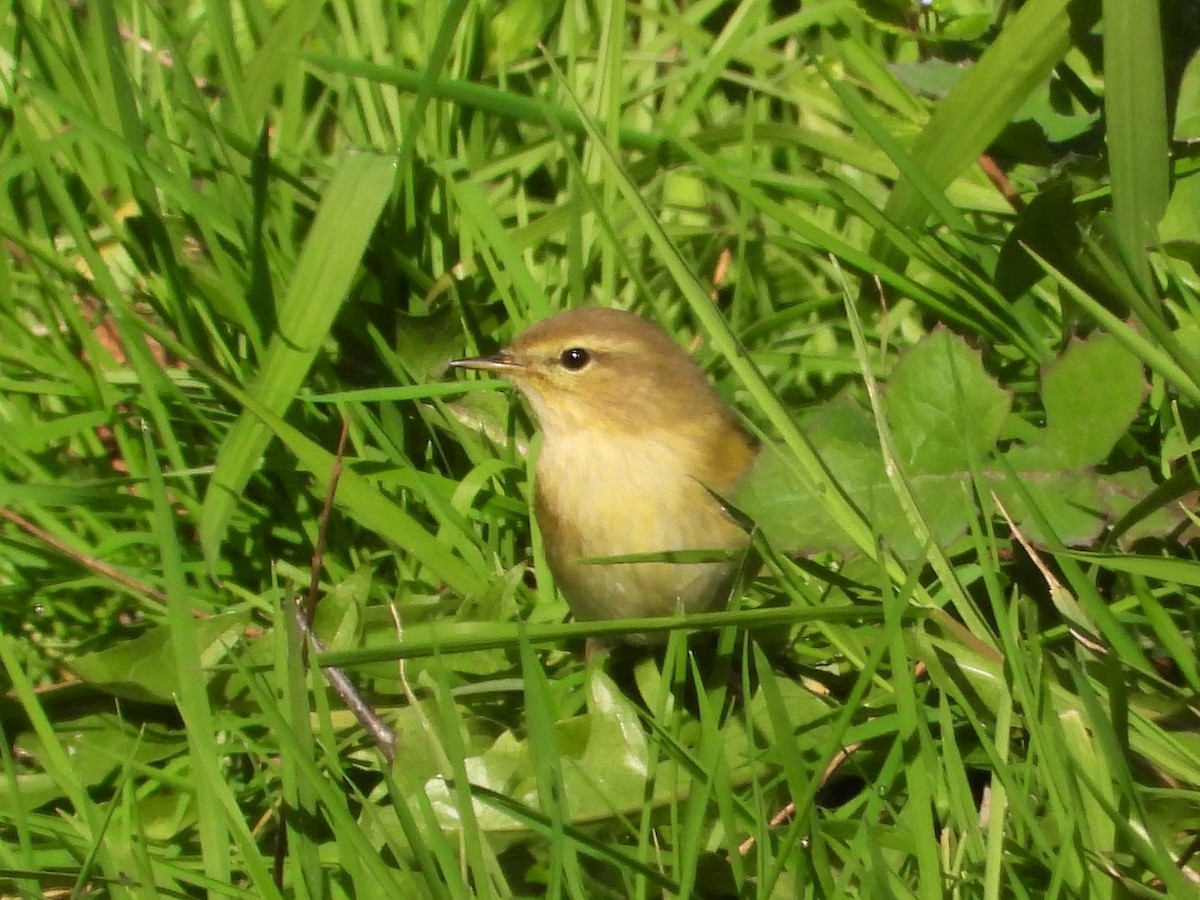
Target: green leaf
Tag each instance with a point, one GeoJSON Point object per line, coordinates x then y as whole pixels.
{"type": "Point", "coordinates": [144, 668]}
{"type": "Point", "coordinates": [99, 744]}
{"type": "Point", "coordinates": [944, 409]}
{"type": "Point", "coordinates": [933, 77]}
{"type": "Point", "coordinates": [1187, 107]}
{"type": "Point", "coordinates": [1091, 396]}
{"type": "Point", "coordinates": [782, 505]}
{"type": "Point", "coordinates": [616, 761]}
{"type": "Point", "coordinates": [1179, 229]}
{"type": "Point", "coordinates": [947, 414]}
{"type": "Point", "coordinates": [426, 344]}
{"type": "Point", "coordinates": [1049, 227]}
{"type": "Point", "coordinates": [1046, 501]}
{"type": "Point", "coordinates": [1056, 126]}
{"type": "Point", "coordinates": [516, 26]}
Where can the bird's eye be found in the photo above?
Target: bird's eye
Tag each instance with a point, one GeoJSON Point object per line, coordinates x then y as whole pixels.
{"type": "Point", "coordinates": [574, 359]}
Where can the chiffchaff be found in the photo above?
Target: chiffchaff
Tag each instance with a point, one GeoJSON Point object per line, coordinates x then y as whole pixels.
{"type": "Point", "coordinates": [635, 444]}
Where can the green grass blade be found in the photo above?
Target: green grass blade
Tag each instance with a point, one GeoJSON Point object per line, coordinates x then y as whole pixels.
{"type": "Point", "coordinates": [1032, 42]}
{"type": "Point", "coordinates": [320, 284]}
{"type": "Point", "coordinates": [1135, 105]}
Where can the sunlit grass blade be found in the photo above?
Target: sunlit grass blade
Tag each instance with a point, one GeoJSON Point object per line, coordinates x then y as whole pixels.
{"type": "Point", "coordinates": [1032, 41]}
{"type": "Point", "coordinates": [322, 278]}
{"type": "Point", "coordinates": [1135, 106]}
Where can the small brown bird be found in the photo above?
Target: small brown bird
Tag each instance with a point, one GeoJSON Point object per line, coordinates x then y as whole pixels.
{"type": "Point", "coordinates": [635, 443]}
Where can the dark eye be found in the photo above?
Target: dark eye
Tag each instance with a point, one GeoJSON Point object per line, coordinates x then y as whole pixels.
{"type": "Point", "coordinates": [574, 359]}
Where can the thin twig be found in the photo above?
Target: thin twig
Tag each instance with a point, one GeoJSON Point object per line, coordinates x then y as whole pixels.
{"type": "Point", "coordinates": [785, 814]}
{"type": "Point", "coordinates": [720, 273]}
{"type": "Point", "coordinates": [318, 554]}
{"type": "Point", "coordinates": [304, 619]}
{"type": "Point", "coordinates": [88, 562]}
{"type": "Point", "coordinates": [1001, 183]}
{"type": "Point", "coordinates": [1062, 598]}
{"type": "Point", "coordinates": [383, 736]}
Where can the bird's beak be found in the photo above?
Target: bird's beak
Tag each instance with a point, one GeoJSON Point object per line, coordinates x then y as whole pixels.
{"type": "Point", "coordinates": [502, 363]}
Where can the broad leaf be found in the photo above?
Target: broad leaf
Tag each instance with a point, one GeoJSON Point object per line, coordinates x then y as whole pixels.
{"type": "Point", "coordinates": [947, 416]}
{"type": "Point", "coordinates": [144, 668]}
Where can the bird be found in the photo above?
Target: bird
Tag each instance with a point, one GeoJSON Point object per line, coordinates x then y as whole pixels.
{"type": "Point", "coordinates": [637, 450]}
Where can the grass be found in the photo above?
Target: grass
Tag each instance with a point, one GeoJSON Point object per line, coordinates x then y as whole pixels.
{"type": "Point", "coordinates": [949, 244]}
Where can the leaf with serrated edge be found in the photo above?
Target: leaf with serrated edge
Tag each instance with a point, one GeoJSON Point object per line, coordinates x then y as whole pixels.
{"type": "Point", "coordinates": [1091, 395]}
{"type": "Point", "coordinates": [947, 414]}
{"type": "Point", "coordinates": [943, 407]}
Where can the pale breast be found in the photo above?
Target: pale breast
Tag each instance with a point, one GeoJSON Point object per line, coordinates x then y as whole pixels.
{"type": "Point", "coordinates": [629, 495]}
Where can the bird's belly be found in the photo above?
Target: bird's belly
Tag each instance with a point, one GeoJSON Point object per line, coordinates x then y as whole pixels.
{"type": "Point", "coordinates": [631, 498]}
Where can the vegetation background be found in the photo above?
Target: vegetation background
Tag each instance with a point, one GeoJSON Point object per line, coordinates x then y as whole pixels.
{"type": "Point", "coordinates": [941, 254]}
